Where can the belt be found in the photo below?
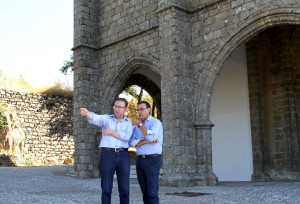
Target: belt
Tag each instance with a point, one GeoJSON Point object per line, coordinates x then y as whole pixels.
{"type": "Point", "coordinates": [149, 155]}
{"type": "Point", "coordinates": [114, 149]}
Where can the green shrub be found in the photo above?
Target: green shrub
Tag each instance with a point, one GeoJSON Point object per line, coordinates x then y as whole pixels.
{"type": "Point", "coordinates": [3, 120]}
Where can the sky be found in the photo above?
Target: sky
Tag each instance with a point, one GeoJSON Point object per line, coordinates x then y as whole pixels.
{"type": "Point", "coordinates": [36, 37]}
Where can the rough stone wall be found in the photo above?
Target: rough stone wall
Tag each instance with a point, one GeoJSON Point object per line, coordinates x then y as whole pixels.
{"type": "Point", "coordinates": [177, 94]}
{"type": "Point", "coordinates": [128, 30]}
{"type": "Point", "coordinates": [86, 91]}
{"type": "Point", "coordinates": [47, 124]}
{"type": "Point", "coordinates": [288, 154]}
{"type": "Point", "coordinates": [120, 20]}
{"type": "Point", "coordinates": [273, 72]}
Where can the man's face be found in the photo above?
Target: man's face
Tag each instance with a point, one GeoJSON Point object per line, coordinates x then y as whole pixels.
{"type": "Point", "coordinates": [143, 112]}
{"type": "Point", "coordinates": [119, 109]}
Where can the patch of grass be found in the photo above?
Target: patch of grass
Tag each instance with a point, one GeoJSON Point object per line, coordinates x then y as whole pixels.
{"type": "Point", "coordinates": [22, 85]}
{"type": "Point", "coordinates": [58, 89]}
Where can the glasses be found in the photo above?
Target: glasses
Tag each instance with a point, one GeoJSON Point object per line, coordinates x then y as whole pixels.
{"type": "Point", "coordinates": [118, 107]}
{"type": "Point", "coordinates": [141, 109]}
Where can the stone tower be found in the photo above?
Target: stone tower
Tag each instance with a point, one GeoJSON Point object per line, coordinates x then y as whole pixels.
{"type": "Point", "coordinates": [175, 50]}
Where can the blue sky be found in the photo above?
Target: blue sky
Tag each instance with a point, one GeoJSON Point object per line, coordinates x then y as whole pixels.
{"type": "Point", "coordinates": [36, 37]}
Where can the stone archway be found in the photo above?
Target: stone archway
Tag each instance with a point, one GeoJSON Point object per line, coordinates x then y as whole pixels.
{"type": "Point", "coordinates": [136, 70]}
{"type": "Point", "coordinates": [128, 73]}
{"type": "Point", "coordinates": [215, 61]}
{"type": "Point", "coordinates": [230, 42]}
{"type": "Point", "coordinates": [149, 86]}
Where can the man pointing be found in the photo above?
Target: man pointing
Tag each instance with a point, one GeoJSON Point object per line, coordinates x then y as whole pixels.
{"type": "Point", "coordinates": [116, 132]}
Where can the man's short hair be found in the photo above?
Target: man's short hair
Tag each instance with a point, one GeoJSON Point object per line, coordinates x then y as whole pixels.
{"type": "Point", "coordinates": [145, 102]}
{"type": "Point", "coordinates": [124, 100]}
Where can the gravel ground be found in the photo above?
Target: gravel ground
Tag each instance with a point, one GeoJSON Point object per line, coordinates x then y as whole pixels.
{"type": "Point", "coordinates": [57, 184]}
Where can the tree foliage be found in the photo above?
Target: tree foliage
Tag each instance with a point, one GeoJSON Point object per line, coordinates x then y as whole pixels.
{"type": "Point", "coordinates": [68, 66]}
{"type": "Point", "coordinates": [137, 94]}
{"type": "Point", "coordinates": [131, 109]}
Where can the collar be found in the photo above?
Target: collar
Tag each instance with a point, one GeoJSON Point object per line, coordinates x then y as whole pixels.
{"type": "Point", "coordinates": [149, 118]}
{"type": "Point", "coordinates": [124, 117]}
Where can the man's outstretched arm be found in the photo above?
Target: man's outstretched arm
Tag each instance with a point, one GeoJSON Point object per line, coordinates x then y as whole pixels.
{"type": "Point", "coordinates": [86, 113]}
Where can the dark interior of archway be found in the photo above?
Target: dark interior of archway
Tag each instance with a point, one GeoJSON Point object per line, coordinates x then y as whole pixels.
{"type": "Point", "coordinates": [273, 62]}
{"type": "Point", "coordinates": [147, 84]}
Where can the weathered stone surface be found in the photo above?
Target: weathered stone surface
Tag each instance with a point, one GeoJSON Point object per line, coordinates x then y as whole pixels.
{"type": "Point", "coordinates": [47, 124]}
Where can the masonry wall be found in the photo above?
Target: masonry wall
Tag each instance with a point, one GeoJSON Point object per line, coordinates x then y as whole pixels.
{"type": "Point", "coordinates": [47, 124]}
{"type": "Point", "coordinates": [119, 20]}
{"type": "Point", "coordinates": [273, 70]}
{"type": "Point", "coordinates": [127, 29]}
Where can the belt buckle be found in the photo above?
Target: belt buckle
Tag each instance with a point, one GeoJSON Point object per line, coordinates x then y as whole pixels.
{"type": "Point", "coordinates": [117, 150]}
{"type": "Point", "coordinates": [143, 156]}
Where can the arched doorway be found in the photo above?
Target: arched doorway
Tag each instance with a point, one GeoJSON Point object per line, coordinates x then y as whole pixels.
{"type": "Point", "coordinates": [150, 86]}
{"type": "Point", "coordinates": [258, 83]}
{"type": "Point", "coordinates": [145, 83]}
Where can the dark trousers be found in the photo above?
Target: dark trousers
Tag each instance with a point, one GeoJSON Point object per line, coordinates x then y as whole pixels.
{"type": "Point", "coordinates": [147, 170]}
{"type": "Point", "coordinates": [111, 162]}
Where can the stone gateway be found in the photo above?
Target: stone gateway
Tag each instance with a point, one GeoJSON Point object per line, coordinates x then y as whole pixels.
{"type": "Point", "coordinates": [223, 73]}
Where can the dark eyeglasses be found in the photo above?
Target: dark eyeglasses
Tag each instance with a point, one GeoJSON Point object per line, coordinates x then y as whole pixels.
{"type": "Point", "coordinates": [140, 109]}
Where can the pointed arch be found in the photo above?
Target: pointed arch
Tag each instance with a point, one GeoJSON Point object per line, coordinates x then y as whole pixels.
{"type": "Point", "coordinates": [230, 42]}
{"type": "Point", "coordinates": [133, 66]}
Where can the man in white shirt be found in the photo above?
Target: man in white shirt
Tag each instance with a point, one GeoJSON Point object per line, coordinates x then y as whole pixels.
{"type": "Point", "coordinates": [116, 132]}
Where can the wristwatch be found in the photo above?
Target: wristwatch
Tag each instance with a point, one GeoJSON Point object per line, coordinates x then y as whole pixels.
{"type": "Point", "coordinates": [140, 124]}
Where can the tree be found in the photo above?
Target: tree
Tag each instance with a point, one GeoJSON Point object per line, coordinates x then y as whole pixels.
{"type": "Point", "coordinates": [131, 109]}
{"type": "Point", "coordinates": [132, 90]}
{"type": "Point", "coordinates": [138, 94]}
{"type": "Point", "coordinates": [68, 65]}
